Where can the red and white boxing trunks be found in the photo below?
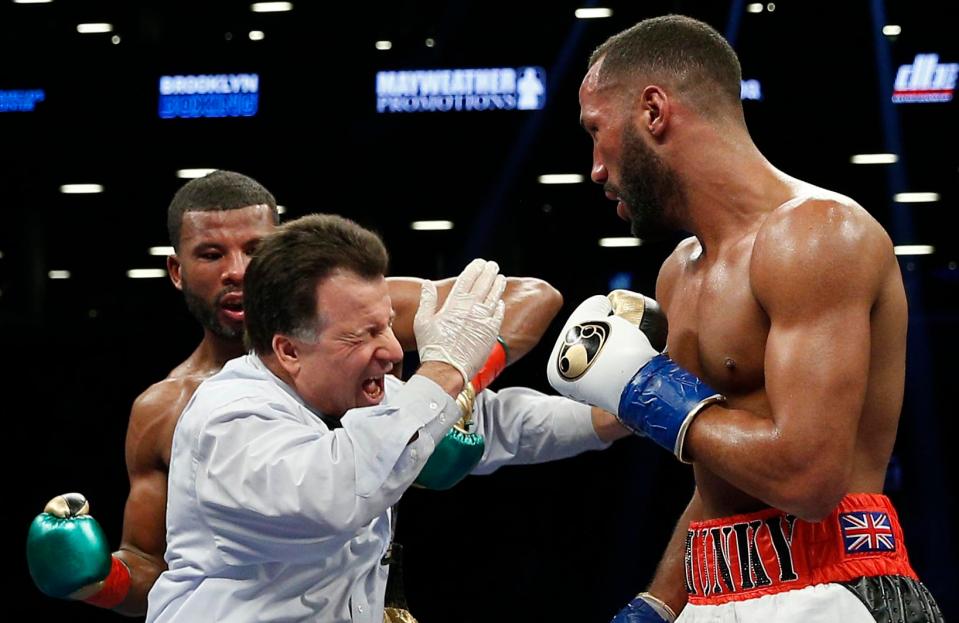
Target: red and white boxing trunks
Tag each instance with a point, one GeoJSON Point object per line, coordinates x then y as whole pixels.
{"type": "Point", "coordinates": [770, 566]}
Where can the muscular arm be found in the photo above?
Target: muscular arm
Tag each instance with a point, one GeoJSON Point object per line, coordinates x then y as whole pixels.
{"type": "Point", "coordinates": [816, 271]}
{"type": "Point", "coordinates": [669, 582]}
{"type": "Point", "coordinates": [531, 305]}
{"type": "Point", "coordinates": [149, 438]}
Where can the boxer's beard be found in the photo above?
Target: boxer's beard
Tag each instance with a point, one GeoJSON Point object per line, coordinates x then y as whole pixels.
{"type": "Point", "coordinates": [650, 189]}
{"type": "Point", "coordinates": [205, 313]}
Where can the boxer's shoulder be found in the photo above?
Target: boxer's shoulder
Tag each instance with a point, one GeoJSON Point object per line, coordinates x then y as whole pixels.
{"type": "Point", "coordinates": [817, 241]}
{"type": "Point", "coordinates": [816, 215]}
{"type": "Point", "coordinates": [154, 416]}
{"type": "Point", "coordinates": [669, 273]}
{"type": "Point", "coordinates": [170, 394]}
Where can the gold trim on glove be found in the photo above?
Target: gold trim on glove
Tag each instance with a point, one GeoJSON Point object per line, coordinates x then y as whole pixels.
{"type": "Point", "coordinates": [465, 400]}
{"type": "Point", "coordinates": [397, 615]}
{"type": "Point", "coordinates": [68, 505]}
{"type": "Point", "coordinates": [628, 305]}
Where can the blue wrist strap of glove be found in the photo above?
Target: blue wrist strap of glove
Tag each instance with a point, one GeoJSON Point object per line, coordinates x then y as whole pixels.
{"type": "Point", "coordinates": [661, 400]}
{"type": "Point", "coordinates": [641, 610]}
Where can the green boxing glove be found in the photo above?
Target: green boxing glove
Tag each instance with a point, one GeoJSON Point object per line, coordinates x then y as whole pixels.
{"type": "Point", "coordinates": [68, 556]}
{"type": "Point", "coordinates": [455, 456]}
{"type": "Point", "coordinates": [460, 450]}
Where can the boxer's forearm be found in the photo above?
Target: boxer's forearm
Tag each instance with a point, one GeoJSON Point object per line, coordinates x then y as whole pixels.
{"type": "Point", "coordinates": [531, 304]}
{"type": "Point", "coordinates": [144, 571]}
{"type": "Point", "coordinates": [669, 582]}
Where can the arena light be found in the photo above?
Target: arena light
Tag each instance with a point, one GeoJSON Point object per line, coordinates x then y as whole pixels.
{"type": "Point", "coordinates": [280, 209]}
{"type": "Point", "coordinates": [383, 45]}
{"type": "Point", "coordinates": [32, 1]}
{"type": "Point", "coordinates": [754, 7]}
{"type": "Point", "coordinates": [431, 225]}
{"type": "Point", "coordinates": [874, 159]}
{"type": "Point", "coordinates": [623, 241]}
{"type": "Point", "coordinates": [594, 13]}
{"type": "Point", "coordinates": [59, 274]}
{"type": "Point", "coordinates": [94, 28]}
{"type": "Point", "coordinates": [891, 30]}
{"type": "Point", "coordinates": [916, 197]}
{"type": "Point", "coordinates": [81, 189]}
{"type": "Point", "coordinates": [561, 178]}
{"type": "Point", "coordinates": [162, 251]}
{"type": "Point", "coordinates": [192, 174]}
{"type": "Point", "coordinates": [257, 35]}
{"type": "Point", "coordinates": [146, 273]}
{"type": "Point", "coordinates": [914, 249]}
{"type": "Point", "coordinates": [271, 7]}
{"type": "Point", "coordinates": [750, 89]}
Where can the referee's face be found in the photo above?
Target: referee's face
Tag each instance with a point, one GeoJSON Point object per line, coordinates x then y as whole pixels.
{"type": "Point", "coordinates": [354, 347]}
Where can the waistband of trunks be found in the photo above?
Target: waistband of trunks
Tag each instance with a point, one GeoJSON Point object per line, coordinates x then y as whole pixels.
{"type": "Point", "coordinates": [769, 551]}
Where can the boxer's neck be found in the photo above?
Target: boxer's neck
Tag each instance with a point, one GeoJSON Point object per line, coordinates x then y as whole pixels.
{"type": "Point", "coordinates": [729, 187]}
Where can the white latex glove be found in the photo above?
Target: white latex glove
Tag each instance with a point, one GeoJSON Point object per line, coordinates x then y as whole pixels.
{"type": "Point", "coordinates": [463, 332]}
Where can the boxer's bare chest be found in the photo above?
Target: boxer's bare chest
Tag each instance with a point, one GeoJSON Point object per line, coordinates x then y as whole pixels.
{"type": "Point", "coordinates": [717, 329]}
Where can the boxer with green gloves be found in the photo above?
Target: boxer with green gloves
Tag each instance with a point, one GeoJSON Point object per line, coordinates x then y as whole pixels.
{"type": "Point", "coordinates": [214, 222]}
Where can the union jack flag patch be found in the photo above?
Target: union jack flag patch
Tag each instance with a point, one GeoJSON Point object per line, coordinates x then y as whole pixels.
{"type": "Point", "coordinates": [867, 532]}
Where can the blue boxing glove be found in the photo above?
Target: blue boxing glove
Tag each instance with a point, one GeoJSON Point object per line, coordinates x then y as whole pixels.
{"type": "Point", "coordinates": [644, 608]}
{"type": "Point", "coordinates": [607, 361]}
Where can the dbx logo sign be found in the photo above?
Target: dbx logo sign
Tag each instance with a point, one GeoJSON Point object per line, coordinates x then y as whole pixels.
{"type": "Point", "coordinates": [926, 80]}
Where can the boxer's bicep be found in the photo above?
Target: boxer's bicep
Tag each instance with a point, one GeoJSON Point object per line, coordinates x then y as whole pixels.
{"type": "Point", "coordinates": [816, 273]}
{"type": "Point", "coordinates": [531, 304]}
{"type": "Point", "coordinates": [405, 297]}
{"type": "Point", "coordinates": [816, 369]}
{"type": "Point", "coordinates": [149, 438]}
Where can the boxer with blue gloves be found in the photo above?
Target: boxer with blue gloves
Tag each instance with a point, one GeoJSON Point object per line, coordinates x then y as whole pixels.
{"type": "Point", "coordinates": [785, 375]}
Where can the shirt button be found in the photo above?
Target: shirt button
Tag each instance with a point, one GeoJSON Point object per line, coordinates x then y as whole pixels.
{"type": "Point", "coordinates": [433, 405]}
{"type": "Point", "coordinates": [413, 455]}
{"type": "Point", "coordinates": [359, 608]}
{"type": "Point", "coordinates": [443, 418]}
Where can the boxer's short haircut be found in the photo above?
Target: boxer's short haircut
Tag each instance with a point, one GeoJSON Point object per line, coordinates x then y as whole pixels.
{"type": "Point", "coordinates": [279, 288]}
{"type": "Point", "coordinates": [689, 53]}
{"type": "Point", "coordinates": [220, 190]}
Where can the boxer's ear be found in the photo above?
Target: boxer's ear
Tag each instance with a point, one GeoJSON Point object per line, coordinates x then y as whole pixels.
{"type": "Point", "coordinates": [655, 110]}
{"type": "Point", "coordinates": [173, 268]}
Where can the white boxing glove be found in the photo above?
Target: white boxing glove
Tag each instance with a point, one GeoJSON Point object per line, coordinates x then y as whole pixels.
{"type": "Point", "coordinates": [597, 355]}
